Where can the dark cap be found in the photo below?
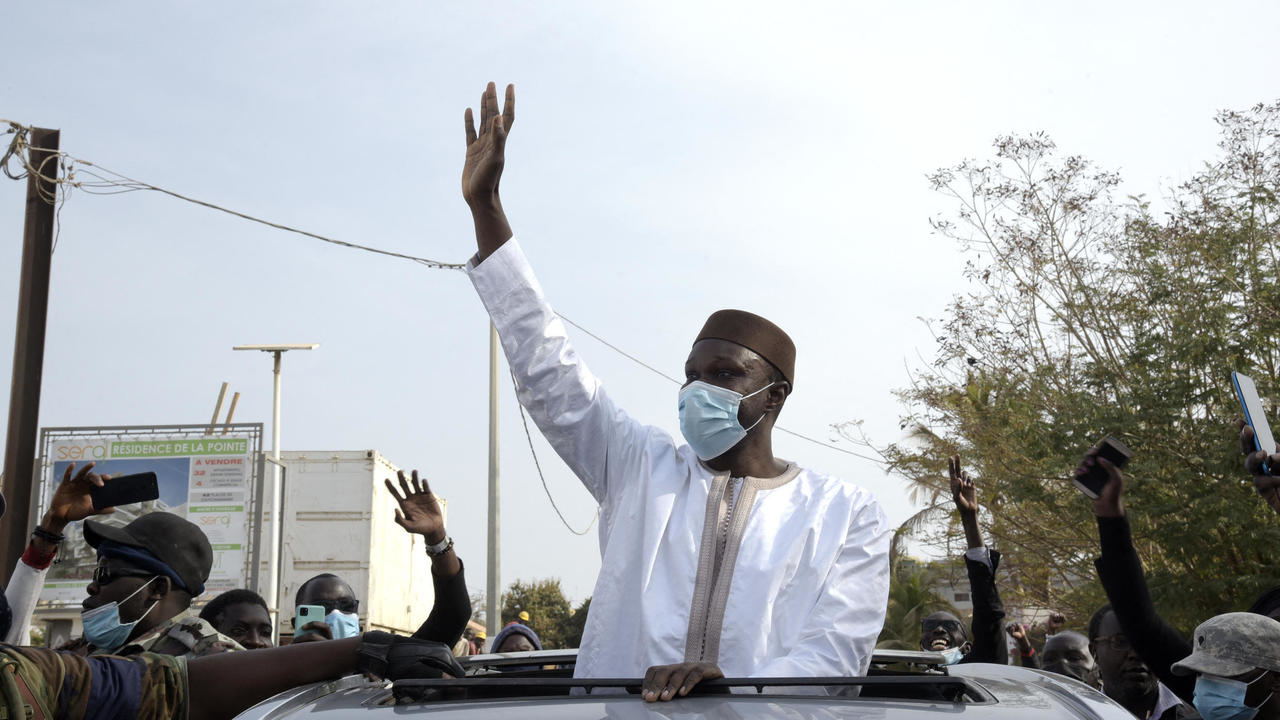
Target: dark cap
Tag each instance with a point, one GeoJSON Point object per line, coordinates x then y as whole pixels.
{"type": "Point", "coordinates": [1233, 644]}
{"type": "Point", "coordinates": [168, 538]}
{"type": "Point", "coordinates": [756, 334]}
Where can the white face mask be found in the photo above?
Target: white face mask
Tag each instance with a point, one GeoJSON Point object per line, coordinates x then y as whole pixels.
{"type": "Point", "coordinates": [103, 628]}
{"type": "Point", "coordinates": [342, 624]}
{"type": "Point", "coordinates": [951, 656]}
{"type": "Point", "coordinates": [709, 418]}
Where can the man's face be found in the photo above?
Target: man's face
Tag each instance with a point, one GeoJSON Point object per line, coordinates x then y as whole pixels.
{"type": "Point", "coordinates": [729, 365]}
{"type": "Point", "coordinates": [1124, 675]}
{"type": "Point", "coordinates": [516, 642]}
{"type": "Point", "coordinates": [247, 624]}
{"type": "Point", "coordinates": [942, 631]}
{"type": "Point", "coordinates": [332, 593]}
{"type": "Point", "coordinates": [114, 581]}
{"type": "Point", "coordinates": [1067, 653]}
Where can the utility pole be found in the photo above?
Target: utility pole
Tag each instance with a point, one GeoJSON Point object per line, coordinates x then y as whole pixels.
{"type": "Point", "coordinates": [28, 347]}
{"type": "Point", "coordinates": [272, 590]}
{"type": "Point", "coordinates": [493, 617]}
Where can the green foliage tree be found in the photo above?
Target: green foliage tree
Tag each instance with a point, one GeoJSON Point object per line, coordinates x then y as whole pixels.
{"type": "Point", "coordinates": [547, 606]}
{"type": "Point", "coordinates": [913, 596]}
{"type": "Point", "coordinates": [575, 624]}
{"type": "Point", "coordinates": [1087, 315]}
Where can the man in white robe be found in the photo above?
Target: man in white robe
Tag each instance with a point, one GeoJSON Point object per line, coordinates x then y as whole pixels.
{"type": "Point", "coordinates": [734, 563]}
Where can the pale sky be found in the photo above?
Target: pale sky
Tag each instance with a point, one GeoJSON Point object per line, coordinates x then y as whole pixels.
{"type": "Point", "coordinates": [668, 159]}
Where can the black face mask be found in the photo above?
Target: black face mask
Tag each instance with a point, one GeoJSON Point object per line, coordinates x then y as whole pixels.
{"type": "Point", "coordinates": [1088, 676]}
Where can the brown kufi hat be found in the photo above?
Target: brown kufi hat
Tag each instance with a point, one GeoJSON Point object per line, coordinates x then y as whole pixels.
{"type": "Point", "coordinates": [756, 334]}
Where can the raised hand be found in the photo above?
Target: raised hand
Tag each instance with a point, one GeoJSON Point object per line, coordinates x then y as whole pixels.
{"type": "Point", "coordinates": [1056, 622]}
{"type": "Point", "coordinates": [1018, 632]}
{"type": "Point", "coordinates": [482, 172]}
{"type": "Point", "coordinates": [1110, 500]}
{"type": "Point", "coordinates": [963, 490]}
{"type": "Point", "coordinates": [71, 500]}
{"type": "Point", "coordinates": [419, 511]}
{"type": "Point", "coordinates": [1267, 485]}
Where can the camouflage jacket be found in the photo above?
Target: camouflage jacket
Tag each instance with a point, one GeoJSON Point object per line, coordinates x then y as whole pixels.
{"type": "Point", "coordinates": [184, 636]}
{"type": "Point", "coordinates": [50, 684]}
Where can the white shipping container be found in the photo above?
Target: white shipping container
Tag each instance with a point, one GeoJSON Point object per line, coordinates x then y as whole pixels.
{"type": "Point", "coordinates": [339, 518]}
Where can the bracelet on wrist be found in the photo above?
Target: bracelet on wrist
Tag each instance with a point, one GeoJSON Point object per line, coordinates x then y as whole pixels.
{"type": "Point", "coordinates": [47, 536]}
{"type": "Point", "coordinates": [440, 548]}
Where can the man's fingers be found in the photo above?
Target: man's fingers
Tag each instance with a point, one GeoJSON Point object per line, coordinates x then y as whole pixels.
{"type": "Point", "coordinates": [488, 108]}
{"type": "Point", "coordinates": [417, 484]}
{"type": "Point", "coordinates": [400, 518]}
{"type": "Point", "coordinates": [1246, 438]}
{"type": "Point", "coordinates": [470, 125]}
{"type": "Point", "coordinates": [84, 472]}
{"type": "Point", "coordinates": [686, 683]}
{"type": "Point", "coordinates": [656, 682]}
{"type": "Point", "coordinates": [499, 134]}
{"type": "Point", "coordinates": [392, 489]}
{"type": "Point", "coordinates": [404, 485]}
{"type": "Point", "coordinates": [509, 109]}
{"type": "Point", "coordinates": [490, 103]}
{"type": "Point", "coordinates": [66, 474]}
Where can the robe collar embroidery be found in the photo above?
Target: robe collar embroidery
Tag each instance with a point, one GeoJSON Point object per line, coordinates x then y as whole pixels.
{"type": "Point", "coordinates": [717, 558]}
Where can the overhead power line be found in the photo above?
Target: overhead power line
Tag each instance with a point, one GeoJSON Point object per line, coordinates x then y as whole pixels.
{"type": "Point", "coordinates": [108, 182]}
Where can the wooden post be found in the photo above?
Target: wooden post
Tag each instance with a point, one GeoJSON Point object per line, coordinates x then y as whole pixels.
{"type": "Point", "coordinates": [28, 349]}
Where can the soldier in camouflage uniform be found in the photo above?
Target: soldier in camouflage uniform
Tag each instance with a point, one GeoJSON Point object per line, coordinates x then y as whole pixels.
{"type": "Point", "coordinates": [44, 684]}
{"type": "Point", "coordinates": [1236, 658]}
{"type": "Point", "coordinates": [148, 572]}
{"type": "Point", "coordinates": [64, 685]}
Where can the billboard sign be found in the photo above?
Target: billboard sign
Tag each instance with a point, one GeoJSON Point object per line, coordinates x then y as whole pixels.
{"type": "Point", "coordinates": [207, 478]}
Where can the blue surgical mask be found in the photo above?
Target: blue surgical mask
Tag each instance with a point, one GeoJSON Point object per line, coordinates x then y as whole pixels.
{"type": "Point", "coordinates": [951, 656]}
{"type": "Point", "coordinates": [102, 626]}
{"type": "Point", "coordinates": [1218, 698]}
{"type": "Point", "coordinates": [709, 418]}
{"type": "Point", "coordinates": [343, 625]}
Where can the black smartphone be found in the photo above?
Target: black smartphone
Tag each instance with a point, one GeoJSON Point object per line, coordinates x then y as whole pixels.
{"type": "Point", "coordinates": [1092, 482]}
{"type": "Point", "coordinates": [124, 490]}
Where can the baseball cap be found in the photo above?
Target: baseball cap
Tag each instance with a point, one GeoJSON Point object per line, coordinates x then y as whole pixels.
{"type": "Point", "coordinates": [172, 540]}
{"type": "Point", "coordinates": [1233, 644]}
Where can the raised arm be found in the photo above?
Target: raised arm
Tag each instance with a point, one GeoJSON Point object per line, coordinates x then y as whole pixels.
{"type": "Point", "coordinates": [420, 513]}
{"type": "Point", "coordinates": [1122, 577]}
{"type": "Point", "coordinates": [71, 502]}
{"type": "Point", "coordinates": [482, 172]}
{"type": "Point", "coordinates": [593, 436]}
{"type": "Point", "coordinates": [981, 564]}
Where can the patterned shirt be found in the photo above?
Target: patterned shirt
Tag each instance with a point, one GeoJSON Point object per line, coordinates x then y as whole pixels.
{"type": "Point", "coordinates": [56, 684]}
{"type": "Point", "coordinates": [184, 636]}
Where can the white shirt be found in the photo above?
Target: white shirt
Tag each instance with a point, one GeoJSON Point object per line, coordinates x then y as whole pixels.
{"type": "Point", "coordinates": [803, 580]}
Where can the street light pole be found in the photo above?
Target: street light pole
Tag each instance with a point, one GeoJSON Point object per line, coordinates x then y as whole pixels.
{"type": "Point", "coordinates": [272, 593]}
{"type": "Point", "coordinates": [492, 590]}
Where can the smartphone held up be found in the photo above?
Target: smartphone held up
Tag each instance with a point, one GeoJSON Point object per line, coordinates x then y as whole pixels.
{"type": "Point", "coordinates": [1251, 404]}
{"type": "Point", "coordinates": [1092, 481]}
{"type": "Point", "coordinates": [124, 490]}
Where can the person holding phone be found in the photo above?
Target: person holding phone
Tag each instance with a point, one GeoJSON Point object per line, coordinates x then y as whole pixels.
{"type": "Point", "coordinates": [1135, 647]}
{"type": "Point", "coordinates": [1256, 463]}
{"type": "Point", "coordinates": [72, 501]}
